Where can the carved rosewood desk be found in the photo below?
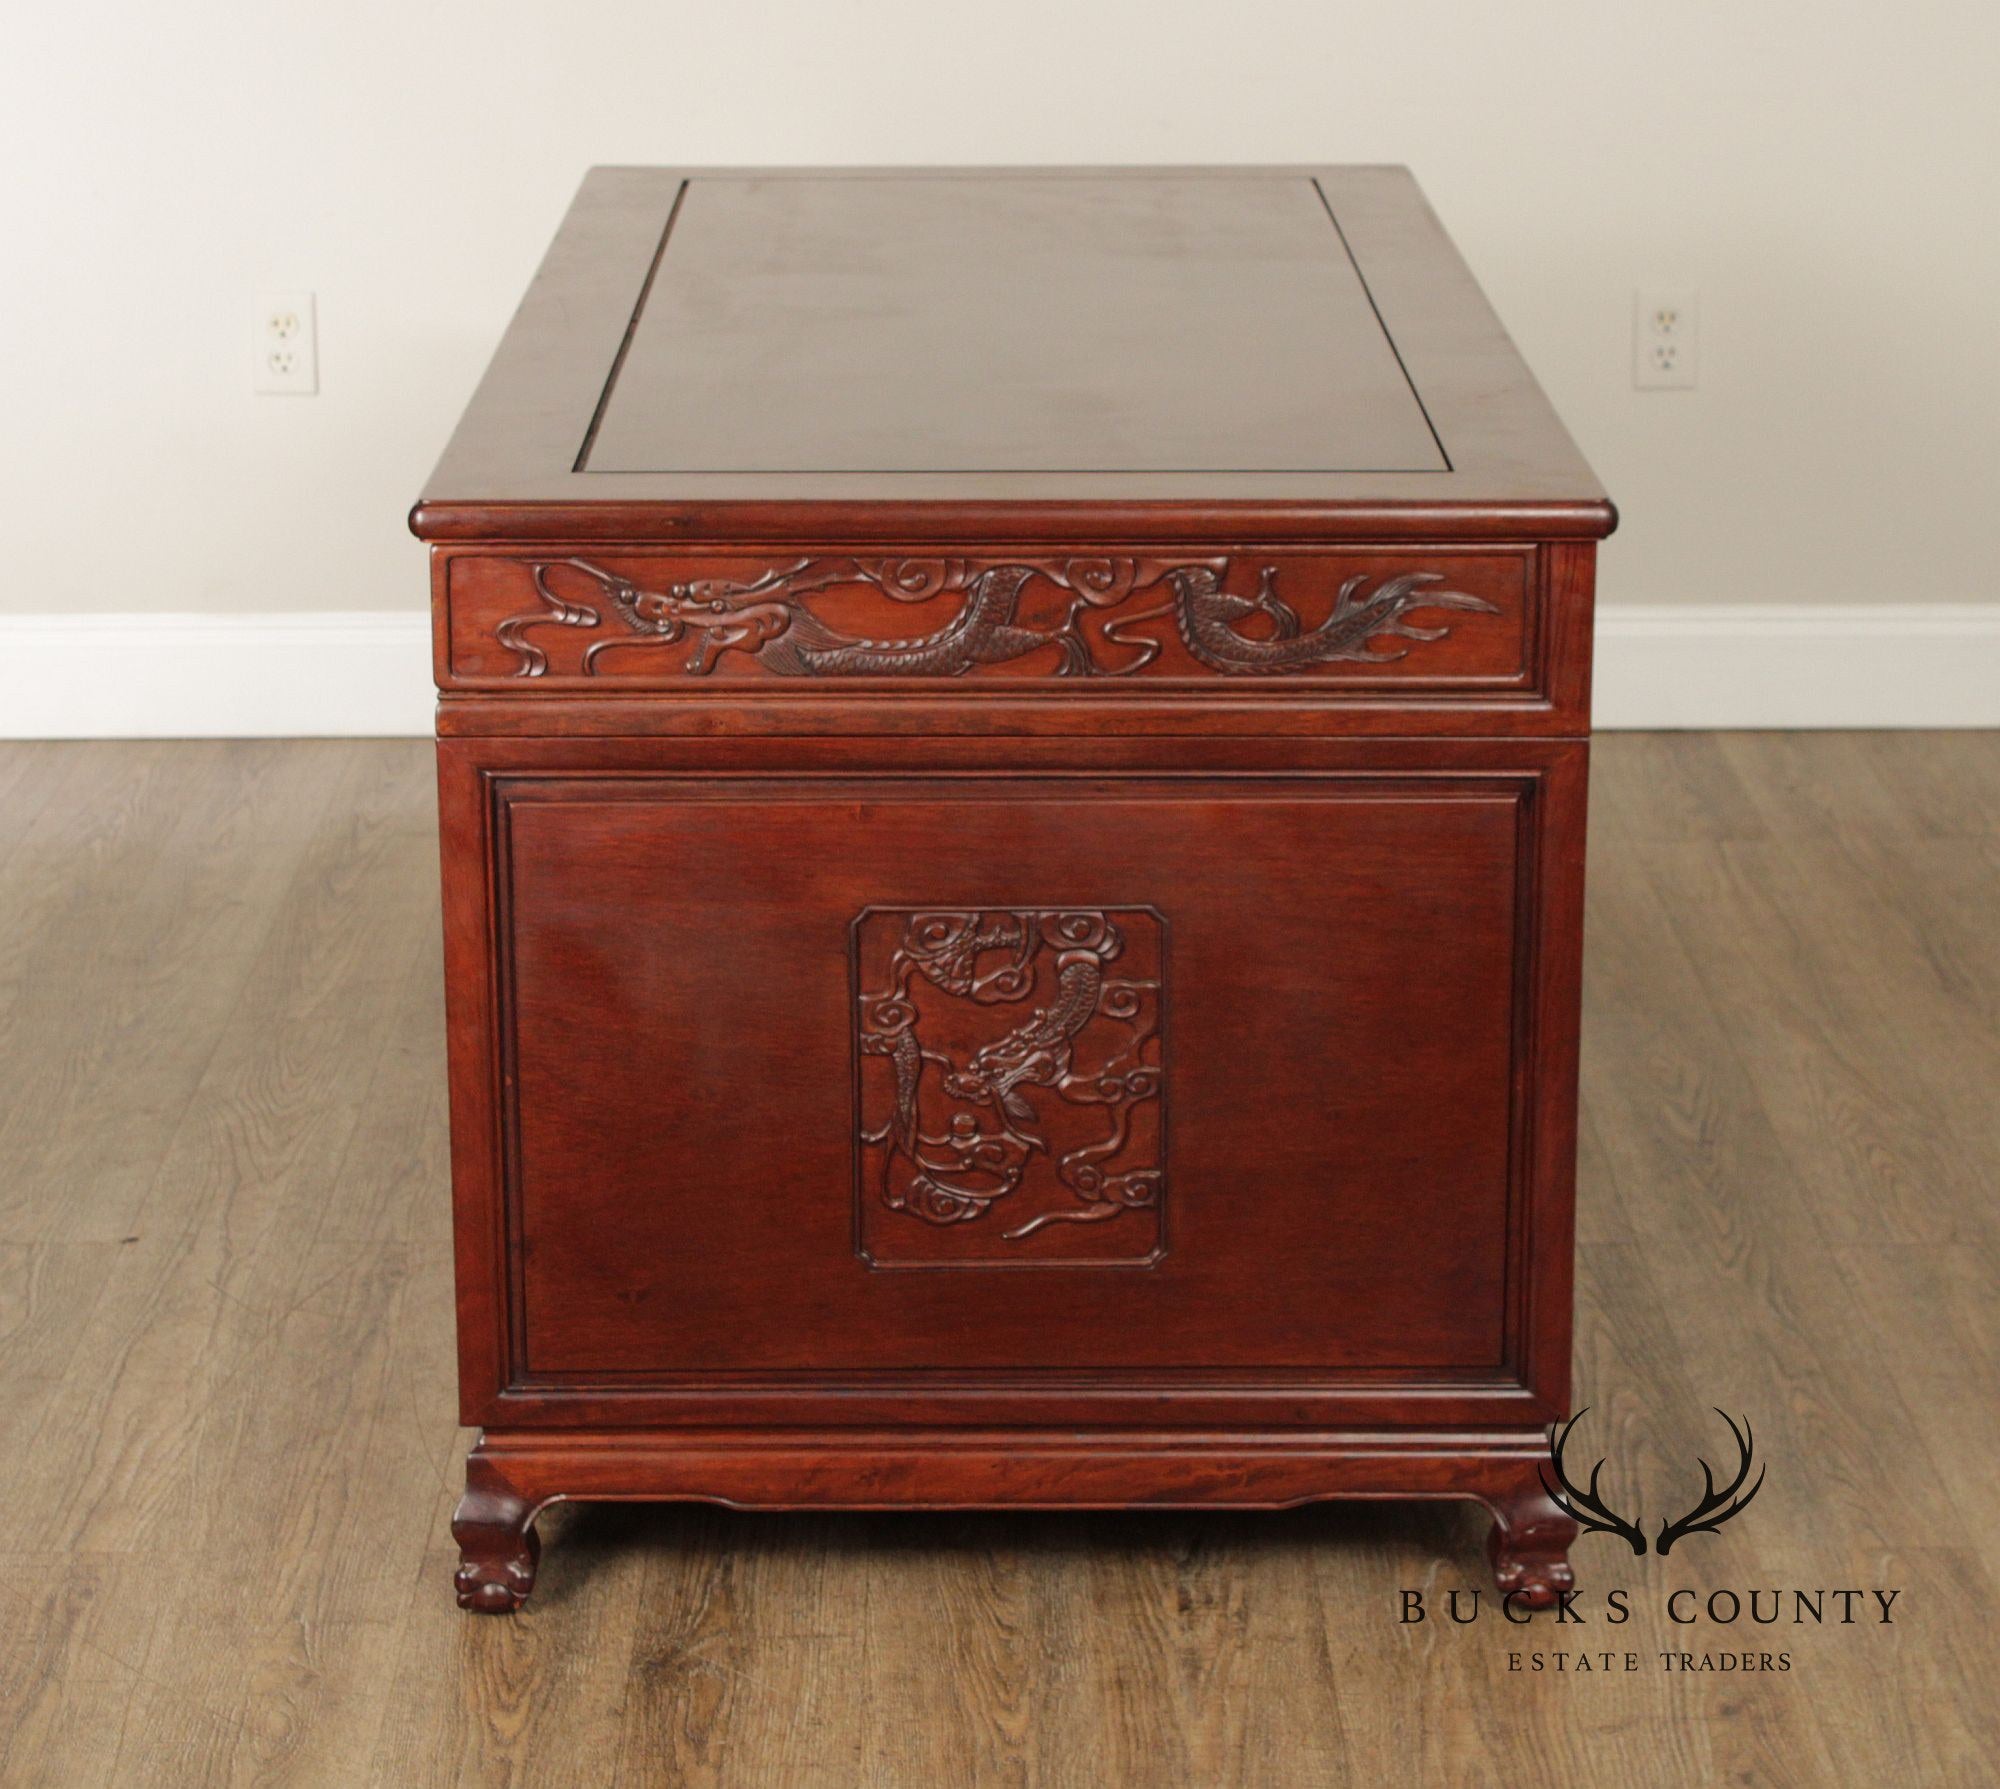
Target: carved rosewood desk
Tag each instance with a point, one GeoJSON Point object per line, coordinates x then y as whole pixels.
{"type": "Point", "coordinates": [1012, 760]}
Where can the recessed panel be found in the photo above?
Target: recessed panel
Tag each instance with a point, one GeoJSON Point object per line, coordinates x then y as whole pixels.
{"type": "Point", "coordinates": [810, 1075]}
{"type": "Point", "coordinates": [1009, 323]}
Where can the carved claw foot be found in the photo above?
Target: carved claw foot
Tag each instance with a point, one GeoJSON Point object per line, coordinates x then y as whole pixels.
{"type": "Point", "coordinates": [498, 1548]}
{"type": "Point", "coordinates": [1529, 1545]}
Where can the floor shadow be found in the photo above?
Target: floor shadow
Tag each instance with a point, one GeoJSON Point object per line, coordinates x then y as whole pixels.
{"type": "Point", "coordinates": [580, 1541]}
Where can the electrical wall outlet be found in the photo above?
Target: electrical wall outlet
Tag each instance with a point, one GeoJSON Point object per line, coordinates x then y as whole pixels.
{"type": "Point", "coordinates": [1666, 341]}
{"type": "Point", "coordinates": [285, 339]}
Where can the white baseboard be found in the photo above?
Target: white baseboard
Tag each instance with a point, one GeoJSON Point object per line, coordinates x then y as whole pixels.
{"type": "Point", "coordinates": [324, 673]}
{"type": "Point", "coordinates": [367, 673]}
{"type": "Point", "coordinates": [1786, 665]}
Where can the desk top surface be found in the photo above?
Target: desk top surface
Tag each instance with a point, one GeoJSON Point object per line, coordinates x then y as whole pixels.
{"type": "Point", "coordinates": [711, 351]}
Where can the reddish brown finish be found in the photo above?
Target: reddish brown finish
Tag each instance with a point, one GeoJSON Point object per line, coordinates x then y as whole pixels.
{"type": "Point", "coordinates": [949, 1017]}
{"type": "Point", "coordinates": [1057, 315]}
{"type": "Point", "coordinates": [512, 472]}
{"type": "Point", "coordinates": [1372, 927]}
{"type": "Point", "coordinates": [1122, 629]}
{"type": "Point", "coordinates": [498, 1547]}
{"type": "Point", "coordinates": [1035, 1010]}
{"type": "Point", "coordinates": [1522, 669]}
{"type": "Point", "coordinates": [512, 1478]}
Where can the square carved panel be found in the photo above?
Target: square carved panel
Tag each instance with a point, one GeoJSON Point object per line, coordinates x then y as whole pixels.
{"type": "Point", "coordinates": [1010, 1088]}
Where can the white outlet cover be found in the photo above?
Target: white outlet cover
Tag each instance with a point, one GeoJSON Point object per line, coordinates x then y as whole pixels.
{"type": "Point", "coordinates": [1666, 339]}
{"type": "Point", "coordinates": [284, 345]}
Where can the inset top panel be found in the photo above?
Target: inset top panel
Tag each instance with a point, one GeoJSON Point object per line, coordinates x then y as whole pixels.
{"type": "Point", "coordinates": [1011, 323]}
{"type": "Point", "coordinates": [925, 357]}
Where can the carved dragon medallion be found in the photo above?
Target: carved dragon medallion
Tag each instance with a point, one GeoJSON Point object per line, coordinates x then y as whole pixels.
{"type": "Point", "coordinates": [1010, 1085]}
{"type": "Point", "coordinates": [779, 619]}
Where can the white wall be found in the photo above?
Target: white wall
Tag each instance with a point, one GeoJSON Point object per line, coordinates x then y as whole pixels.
{"type": "Point", "coordinates": [1824, 175]}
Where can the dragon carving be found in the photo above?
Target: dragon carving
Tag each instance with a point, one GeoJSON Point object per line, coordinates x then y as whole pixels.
{"type": "Point", "coordinates": [1206, 616]}
{"type": "Point", "coordinates": [959, 1136]}
{"type": "Point", "coordinates": [772, 618]}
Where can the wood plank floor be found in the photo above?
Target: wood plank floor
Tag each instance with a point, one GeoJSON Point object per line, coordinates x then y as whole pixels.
{"type": "Point", "coordinates": [228, 1460]}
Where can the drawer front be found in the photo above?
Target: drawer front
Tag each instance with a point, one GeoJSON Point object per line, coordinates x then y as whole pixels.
{"type": "Point", "coordinates": [851, 1079]}
{"type": "Point", "coordinates": [1434, 622]}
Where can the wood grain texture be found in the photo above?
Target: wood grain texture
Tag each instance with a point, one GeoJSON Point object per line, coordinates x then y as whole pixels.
{"type": "Point", "coordinates": [1440, 622]}
{"type": "Point", "coordinates": [1508, 467]}
{"type": "Point", "coordinates": [626, 628]}
{"type": "Point", "coordinates": [1450, 948]}
{"type": "Point", "coordinates": [207, 1580]}
{"type": "Point", "coordinates": [1054, 313]}
{"type": "Point", "coordinates": [721, 1191]}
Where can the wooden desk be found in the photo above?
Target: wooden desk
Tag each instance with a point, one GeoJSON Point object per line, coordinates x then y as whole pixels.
{"type": "Point", "coordinates": [1012, 757]}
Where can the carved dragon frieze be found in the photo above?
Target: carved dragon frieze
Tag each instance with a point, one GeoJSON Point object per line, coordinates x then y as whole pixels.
{"type": "Point", "coordinates": [773, 618]}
